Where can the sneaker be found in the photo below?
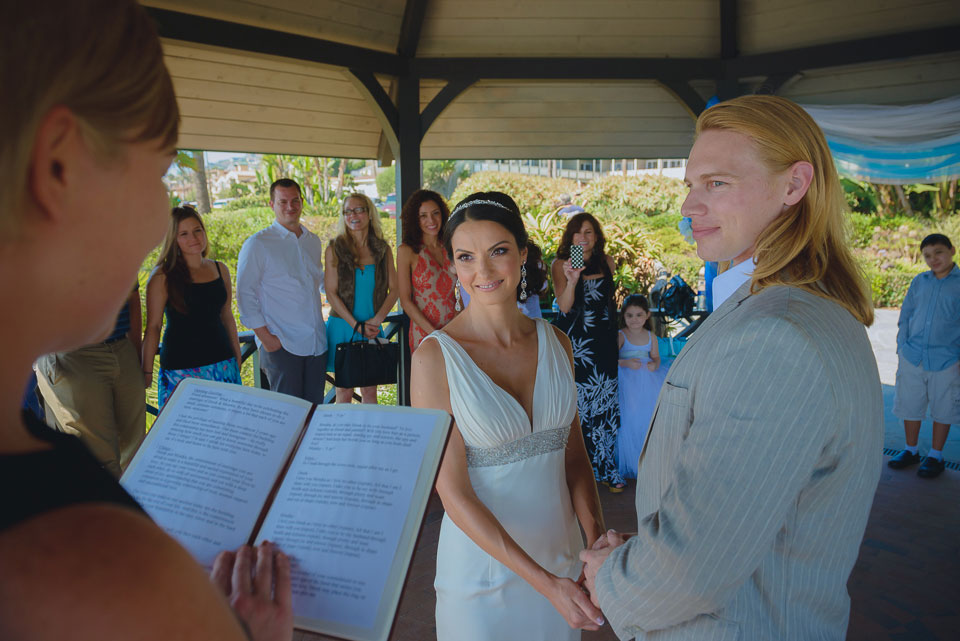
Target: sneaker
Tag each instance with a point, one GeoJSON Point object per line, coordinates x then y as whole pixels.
{"type": "Point", "coordinates": [930, 468]}
{"type": "Point", "coordinates": [904, 459]}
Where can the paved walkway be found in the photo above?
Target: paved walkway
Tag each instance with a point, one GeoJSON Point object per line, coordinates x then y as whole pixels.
{"type": "Point", "coordinates": [903, 587]}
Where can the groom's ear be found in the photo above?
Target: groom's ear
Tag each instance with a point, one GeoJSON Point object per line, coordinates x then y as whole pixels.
{"type": "Point", "coordinates": [800, 176]}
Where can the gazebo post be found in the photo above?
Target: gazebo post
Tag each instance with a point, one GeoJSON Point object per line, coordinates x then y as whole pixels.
{"type": "Point", "coordinates": [408, 181]}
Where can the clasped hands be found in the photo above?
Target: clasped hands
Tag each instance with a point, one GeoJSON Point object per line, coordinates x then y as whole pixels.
{"type": "Point", "coordinates": [594, 558]}
{"type": "Point", "coordinates": [369, 328]}
{"type": "Point", "coordinates": [637, 363]}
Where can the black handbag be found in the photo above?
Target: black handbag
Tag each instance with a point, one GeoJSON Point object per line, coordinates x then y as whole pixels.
{"type": "Point", "coordinates": [363, 363]}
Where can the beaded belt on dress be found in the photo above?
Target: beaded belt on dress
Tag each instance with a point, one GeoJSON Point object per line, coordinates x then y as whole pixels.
{"type": "Point", "coordinates": [533, 445]}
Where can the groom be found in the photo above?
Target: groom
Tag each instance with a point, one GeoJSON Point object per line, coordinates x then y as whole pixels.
{"type": "Point", "coordinates": [764, 452]}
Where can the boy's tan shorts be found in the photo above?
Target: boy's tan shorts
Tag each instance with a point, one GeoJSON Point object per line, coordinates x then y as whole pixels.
{"type": "Point", "coordinates": [917, 388]}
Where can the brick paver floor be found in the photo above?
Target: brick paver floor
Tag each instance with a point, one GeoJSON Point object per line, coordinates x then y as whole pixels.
{"type": "Point", "coordinates": [903, 588]}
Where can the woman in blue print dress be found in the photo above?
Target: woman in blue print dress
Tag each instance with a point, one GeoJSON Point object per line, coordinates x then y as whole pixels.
{"type": "Point", "coordinates": [587, 315]}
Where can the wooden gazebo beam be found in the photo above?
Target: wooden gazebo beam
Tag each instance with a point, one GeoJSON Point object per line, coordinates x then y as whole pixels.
{"type": "Point", "coordinates": [187, 27]}
{"type": "Point", "coordinates": [899, 45]}
{"type": "Point", "coordinates": [191, 28]}
{"type": "Point", "coordinates": [413, 15]}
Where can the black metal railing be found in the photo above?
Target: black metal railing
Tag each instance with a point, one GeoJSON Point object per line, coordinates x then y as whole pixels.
{"type": "Point", "coordinates": [395, 325]}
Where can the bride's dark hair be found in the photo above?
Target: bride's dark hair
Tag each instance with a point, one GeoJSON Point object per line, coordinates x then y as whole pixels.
{"type": "Point", "coordinates": [505, 213]}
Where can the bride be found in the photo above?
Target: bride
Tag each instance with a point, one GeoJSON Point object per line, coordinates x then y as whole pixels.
{"type": "Point", "coordinates": [515, 477]}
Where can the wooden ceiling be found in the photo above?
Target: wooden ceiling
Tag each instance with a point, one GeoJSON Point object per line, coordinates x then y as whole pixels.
{"type": "Point", "coordinates": [530, 78]}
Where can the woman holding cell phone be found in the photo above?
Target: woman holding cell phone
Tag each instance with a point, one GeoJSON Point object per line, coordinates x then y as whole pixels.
{"type": "Point", "coordinates": [583, 283]}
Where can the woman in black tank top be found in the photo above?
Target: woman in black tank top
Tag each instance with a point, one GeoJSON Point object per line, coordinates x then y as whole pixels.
{"type": "Point", "coordinates": [200, 340]}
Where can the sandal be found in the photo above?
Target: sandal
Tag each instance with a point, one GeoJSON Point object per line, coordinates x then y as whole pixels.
{"type": "Point", "coordinates": [616, 488]}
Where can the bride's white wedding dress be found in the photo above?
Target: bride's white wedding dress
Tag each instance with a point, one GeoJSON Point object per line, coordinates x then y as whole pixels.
{"type": "Point", "coordinates": [518, 472]}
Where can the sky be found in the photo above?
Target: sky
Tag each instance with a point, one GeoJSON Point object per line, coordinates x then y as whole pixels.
{"type": "Point", "coordinates": [217, 156]}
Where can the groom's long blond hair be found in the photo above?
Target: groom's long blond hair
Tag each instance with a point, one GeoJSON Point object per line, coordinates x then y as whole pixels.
{"type": "Point", "coordinates": [806, 245]}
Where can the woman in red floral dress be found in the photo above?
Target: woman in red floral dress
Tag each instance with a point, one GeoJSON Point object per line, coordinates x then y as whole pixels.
{"type": "Point", "coordinates": [424, 271]}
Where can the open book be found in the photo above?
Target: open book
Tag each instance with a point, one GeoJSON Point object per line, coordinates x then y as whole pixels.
{"type": "Point", "coordinates": [341, 489]}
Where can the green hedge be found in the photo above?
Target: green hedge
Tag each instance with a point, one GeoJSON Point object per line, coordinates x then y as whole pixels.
{"type": "Point", "coordinates": [649, 195]}
{"type": "Point", "coordinates": [888, 283]}
{"type": "Point", "coordinates": [888, 250]}
{"type": "Point", "coordinates": [533, 194]}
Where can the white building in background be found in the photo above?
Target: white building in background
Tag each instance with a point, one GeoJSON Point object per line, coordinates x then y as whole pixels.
{"type": "Point", "coordinates": [365, 179]}
{"type": "Point", "coordinates": [240, 173]}
{"type": "Point", "coordinates": [585, 170]}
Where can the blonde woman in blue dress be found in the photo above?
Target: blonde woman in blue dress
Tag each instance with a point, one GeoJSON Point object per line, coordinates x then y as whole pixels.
{"type": "Point", "coordinates": [515, 478]}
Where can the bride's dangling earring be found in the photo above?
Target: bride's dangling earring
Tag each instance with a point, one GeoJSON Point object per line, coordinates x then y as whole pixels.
{"type": "Point", "coordinates": [456, 292]}
{"type": "Point", "coordinates": [523, 282]}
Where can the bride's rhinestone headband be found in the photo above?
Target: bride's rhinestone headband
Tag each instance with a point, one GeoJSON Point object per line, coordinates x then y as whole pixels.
{"type": "Point", "coordinates": [471, 203]}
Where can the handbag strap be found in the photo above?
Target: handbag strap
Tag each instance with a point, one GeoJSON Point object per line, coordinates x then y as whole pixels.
{"type": "Point", "coordinates": [357, 330]}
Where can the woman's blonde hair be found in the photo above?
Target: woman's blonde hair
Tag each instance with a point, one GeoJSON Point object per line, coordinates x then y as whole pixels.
{"type": "Point", "coordinates": [99, 58]}
{"type": "Point", "coordinates": [805, 246]}
{"type": "Point", "coordinates": [372, 212]}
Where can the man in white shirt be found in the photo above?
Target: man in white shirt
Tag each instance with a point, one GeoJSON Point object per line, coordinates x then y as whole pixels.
{"type": "Point", "coordinates": [279, 282]}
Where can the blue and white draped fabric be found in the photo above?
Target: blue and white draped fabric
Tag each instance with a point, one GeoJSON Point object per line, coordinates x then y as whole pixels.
{"type": "Point", "coordinates": [893, 144]}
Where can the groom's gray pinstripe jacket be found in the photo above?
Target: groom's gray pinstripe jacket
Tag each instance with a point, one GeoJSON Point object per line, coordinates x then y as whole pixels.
{"type": "Point", "coordinates": [756, 480]}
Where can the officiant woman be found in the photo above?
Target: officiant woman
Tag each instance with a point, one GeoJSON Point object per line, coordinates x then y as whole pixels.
{"type": "Point", "coordinates": [88, 128]}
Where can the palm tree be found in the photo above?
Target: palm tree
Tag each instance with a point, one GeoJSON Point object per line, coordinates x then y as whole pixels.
{"type": "Point", "coordinates": [200, 177]}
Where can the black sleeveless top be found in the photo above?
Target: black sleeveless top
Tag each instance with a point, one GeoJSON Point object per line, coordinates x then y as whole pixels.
{"type": "Point", "coordinates": [39, 482]}
{"type": "Point", "coordinates": [198, 337]}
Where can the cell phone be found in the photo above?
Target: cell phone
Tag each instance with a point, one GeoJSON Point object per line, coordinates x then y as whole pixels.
{"type": "Point", "coordinates": [576, 256]}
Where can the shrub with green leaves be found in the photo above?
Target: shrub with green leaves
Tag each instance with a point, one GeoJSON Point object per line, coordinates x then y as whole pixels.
{"type": "Point", "coordinates": [248, 201]}
{"type": "Point", "coordinates": [888, 250]}
{"type": "Point", "coordinates": [387, 181]}
{"type": "Point", "coordinates": [888, 281]}
{"type": "Point", "coordinates": [533, 194]}
{"type": "Point", "coordinates": [649, 195]}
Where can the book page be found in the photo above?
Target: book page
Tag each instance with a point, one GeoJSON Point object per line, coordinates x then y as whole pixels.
{"type": "Point", "coordinates": [343, 505]}
{"type": "Point", "coordinates": [208, 464]}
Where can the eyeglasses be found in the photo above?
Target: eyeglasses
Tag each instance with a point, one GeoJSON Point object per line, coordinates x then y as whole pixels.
{"type": "Point", "coordinates": [355, 210]}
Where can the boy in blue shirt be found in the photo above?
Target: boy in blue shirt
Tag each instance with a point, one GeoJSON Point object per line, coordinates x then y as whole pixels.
{"type": "Point", "coordinates": [928, 343]}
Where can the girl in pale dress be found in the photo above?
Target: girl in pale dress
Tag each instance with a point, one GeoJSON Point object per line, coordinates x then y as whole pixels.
{"type": "Point", "coordinates": [640, 378]}
{"type": "Point", "coordinates": [515, 478]}
{"type": "Point", "coordinates": [424, 271]}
